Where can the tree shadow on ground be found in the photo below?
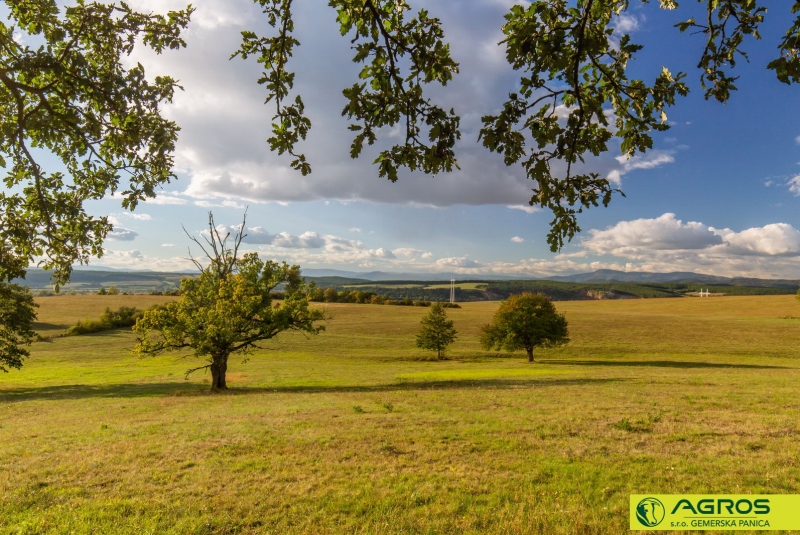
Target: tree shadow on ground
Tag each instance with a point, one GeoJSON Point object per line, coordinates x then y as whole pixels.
{"type": "Point", "coordinates": [661, 364]}
{"type": "Point", "coordinates": [133, 390]}
{"type": "Point", "coordinates": [42, 327]}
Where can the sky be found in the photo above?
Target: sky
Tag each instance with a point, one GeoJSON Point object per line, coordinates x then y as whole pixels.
{"type": "Point", "coordinates": [719, 192]}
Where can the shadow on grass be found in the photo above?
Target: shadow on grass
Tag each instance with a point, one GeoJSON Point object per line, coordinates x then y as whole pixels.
{"type": "Point", "coordinates": [661, 364]}
{"type": "Point", "coordinates": [48, 327]}
{"type": "Point", "coordinates": [178, 389]}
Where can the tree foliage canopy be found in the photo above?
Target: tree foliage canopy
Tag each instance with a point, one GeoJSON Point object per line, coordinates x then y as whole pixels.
{"type": "Point", "coordinates": [525, 321]}
{"type": "Point", "coordinates": [228, 309]}
{"type": "Point", "coordinates": [574, 97]}
{"type": "Point", "coordinates": [17, 313]}
{"type": "Point", "coordinates": [66, 94]}
{"type": "Point", "coordinates": [436, 331]}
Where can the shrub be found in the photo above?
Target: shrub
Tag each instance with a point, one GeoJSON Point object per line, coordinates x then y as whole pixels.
{"type": "Point", "coordinates": [110, 319]}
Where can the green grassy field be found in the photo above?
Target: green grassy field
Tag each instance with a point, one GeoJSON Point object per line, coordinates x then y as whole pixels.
{"type": "Point", "coordinates": [354, 431]}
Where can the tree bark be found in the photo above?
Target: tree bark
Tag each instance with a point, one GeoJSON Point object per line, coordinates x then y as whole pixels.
{"type": "Point", "coordinates": [219, 366]}
{"type": "Point", "coordinates": [530, 353]}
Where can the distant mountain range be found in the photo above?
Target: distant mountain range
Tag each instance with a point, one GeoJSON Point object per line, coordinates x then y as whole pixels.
{"type": "Point", "coordinates": [682, 277]}
{"type": "Point", "coordinates": [85, 279]}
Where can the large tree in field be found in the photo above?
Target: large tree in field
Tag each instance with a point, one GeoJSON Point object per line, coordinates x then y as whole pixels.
{"type": "Point", "coordinates": [525, 322]}
{"type": "Point", "coordinates": [228, 309]}
{"type": "Point", "coordinates": [436, 331]}
{"type": "Point", "coordinates": [574, 100]}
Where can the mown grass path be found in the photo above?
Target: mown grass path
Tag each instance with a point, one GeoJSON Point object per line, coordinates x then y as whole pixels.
{"type": "Point", "coordinates": [353, 432]}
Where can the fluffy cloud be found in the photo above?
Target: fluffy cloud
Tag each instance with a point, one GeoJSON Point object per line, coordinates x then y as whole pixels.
{"type": "Point", "coordinates": [794, 185]}
{"type": "Point", "coordinates": [167, 198]}
{"type": "Point", "coordinates": [517, 239]}
{"type": "Point", "coordinates": [528, 209]}
{"type": "Point", "coordinates": [137, 260]}
{"type": "Point", "coordinates": [122, 234]}
{"type": "Point", "coordinates": [625, 23]}
{"type": "Point", "coordinates": [383, 253]}
{"type": "Point", "coordinates": [132, 215]}
{"type": "Point", "coordinates": [307, 240]}
{"type": "Point", "coordinates": [668, 244]}
{"type": "Point", "coordinates": [777, 239]}
{"type": "Point", "coordinates": [408, 252]}
{"type": "Point", "coordinates": [458, 263]}
{"type": "Point", "coordinates": [649, 160]}
{"type": "Point", "coordinates": [258, 236]}
{"type": "Point", "coordinates": [630, 238]}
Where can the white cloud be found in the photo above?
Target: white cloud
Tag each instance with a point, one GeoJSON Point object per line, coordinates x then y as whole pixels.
{"type": "Point", "coordinates": [410, 252]}
{"type": "Point", "coordinates": [167, 198]}
{"type": "Point", "coordinates": [797, 140]}
{"type": "Point", "coordinates": [122, 234]}
{"type": "Point", "coordinates": [132, 215]}
{"type": "Point", "coordinates": [258, 235]}
{"type": "Point", "coordinates": [457, 262]}
{"type": "Point", "coordinates": [517, 239]}
{"type": "Point", "coordinates": [667, 244]}
{"type": "Point", "coordinates": [777, 239]}
{"type": "Point", "coordinates": [794, 185]}
{"type": "Point", "coordinates": [649, 160]}
{"type": "Point", "coordinates": [525, 208]}
{"type": "Point", "coordinates": [209, 14]}
{"type": "Point", "coordinates": [307, 240]}
{"type": "Point", "coordinates": [355, 229]}
{"type": "Point", "coordinates": [137, 260]}
{"type": "Point", "coordinates": [167, 245]}
{"type": "Point", "coordinates": [626, 23]}
{"type": "Point", "coordinates": [383, 253]}
{"type": "Point", "coordinates": [628, 238]}
{"type": "Point", "coordinates": [225, 203]}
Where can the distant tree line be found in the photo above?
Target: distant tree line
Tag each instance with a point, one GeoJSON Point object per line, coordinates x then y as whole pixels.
{"type": "Point", "coordinates": [331, 295]}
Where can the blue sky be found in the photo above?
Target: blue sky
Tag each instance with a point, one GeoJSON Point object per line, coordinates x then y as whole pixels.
{"type": "Point", "coordinates": [718, 194]}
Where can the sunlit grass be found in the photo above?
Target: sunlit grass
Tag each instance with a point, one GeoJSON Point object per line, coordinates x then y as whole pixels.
{"type": "Point", "coordinates": [475, 374]}
{"type": "Point", "coordinates": [358, 431]}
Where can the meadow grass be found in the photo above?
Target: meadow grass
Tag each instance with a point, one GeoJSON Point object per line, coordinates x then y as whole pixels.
{"type": "Point", "coordinates": [357, 431]}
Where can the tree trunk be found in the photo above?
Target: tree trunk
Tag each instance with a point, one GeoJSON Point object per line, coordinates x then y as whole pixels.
{"type": "Point", "coordinates": [218, 368]}
{"type": "Point", "coordinates": [530, 353]}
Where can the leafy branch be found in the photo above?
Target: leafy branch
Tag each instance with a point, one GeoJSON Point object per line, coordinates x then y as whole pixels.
{"type": "Point", "coordinates": [573, 81]}
{"type": "Point", "coordinates": [73, 99]}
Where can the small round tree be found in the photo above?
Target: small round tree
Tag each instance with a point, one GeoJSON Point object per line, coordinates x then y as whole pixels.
{"type": "Point", "coordinates": [524, 322]}
{"type": "Point", "coordinates": [437, 331]}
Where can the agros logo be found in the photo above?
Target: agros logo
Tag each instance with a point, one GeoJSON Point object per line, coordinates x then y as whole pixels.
{"type": "Point", "coordinates": [650, 512]}
{"type": "Point", "coordinates": [721, 513]}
